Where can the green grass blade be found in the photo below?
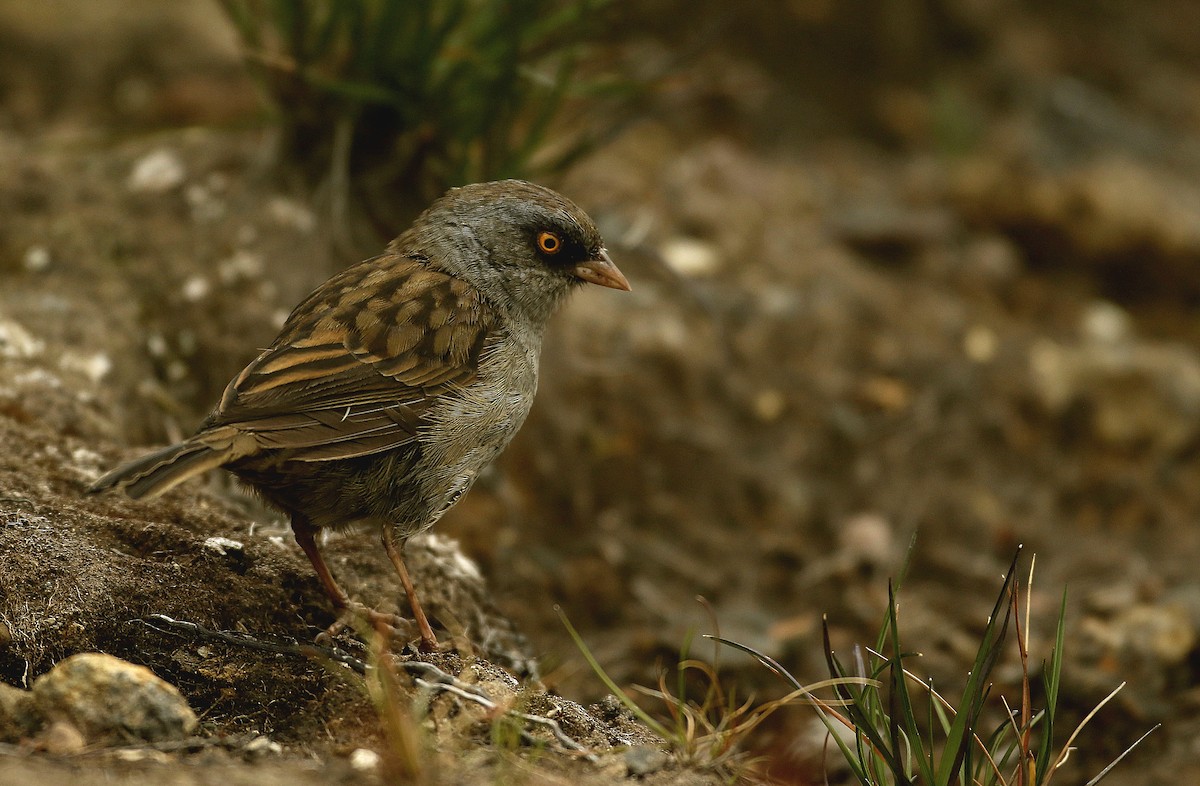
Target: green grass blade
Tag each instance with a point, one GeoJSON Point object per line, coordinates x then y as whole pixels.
{"type": "Point", "coordinates": [959, 737]}
{"type": "Point", "coordinates": [863, 710]}
{"type": "Point", "coordinates": [1051, 680]}
{"type": "Point", "coordinates": [903, 719]}
{"type": "Point", "coordinates": [770, 663]}
{"type": "Point", "coordinates": [631, 705]}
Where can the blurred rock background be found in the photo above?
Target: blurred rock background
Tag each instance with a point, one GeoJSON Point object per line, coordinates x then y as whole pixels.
{"type": "Point", "coordinates": [899, 267]}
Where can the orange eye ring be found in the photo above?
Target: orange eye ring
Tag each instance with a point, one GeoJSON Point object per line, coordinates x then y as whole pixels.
{"type": "Point", "coordinates": [549, 243]}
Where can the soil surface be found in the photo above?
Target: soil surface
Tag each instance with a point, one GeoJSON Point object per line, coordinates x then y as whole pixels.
{"type": "Point", "coordinates": [922, 270]}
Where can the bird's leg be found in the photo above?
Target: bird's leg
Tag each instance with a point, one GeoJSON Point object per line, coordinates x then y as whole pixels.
{"type": "Point", "coordinates": [305, 537]}
{"type": "Point", "coordinates": [429, 642]}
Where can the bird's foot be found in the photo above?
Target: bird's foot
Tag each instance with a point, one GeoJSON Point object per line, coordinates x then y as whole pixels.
{"type": "Point", "coordinates": [387, 625]}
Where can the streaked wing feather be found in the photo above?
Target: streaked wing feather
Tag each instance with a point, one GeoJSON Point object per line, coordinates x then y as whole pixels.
{"type": "Point", "coordinates": [352, 372]}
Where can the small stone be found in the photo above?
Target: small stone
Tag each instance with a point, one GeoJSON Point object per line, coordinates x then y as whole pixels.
{"type": "Point", "coordinates": [95, 366]}
{"type": "Point", "coordinates": [156, 172]}
{"type": "Point", "coordinates": [363, 759]}
{"type": "Point", "coordinates": [205, 206]}
{"type": "Point", "coordinates": [35, 377]}
{"type": "Point", "coordinates": [87, 459]}
{"type": "Point", "coordinates": [643, 760]}
{"type": "Point", "coordinates": [450, 559]}
{"type": "Point", "coordinates": [980, 343]}
{"type": "Point", "coordinates": [224, 546]}
{"type": "Point", "coordinates": [290, 213]}
{"type": "Point", "coordinates": [689, 256]}
{"type": "Point", "coordinates": [140, 755]}
{"type": "Point", "coordinates": [1162, 633]}
{"type": "Point", "coordinates": [196, 288]}
{"type": "Point", "coordinates": [867, 539]}
{"type": "Point", "coordinates": [1136, 393]}
{"type": "Point", "coordinates": [769, 405]}
{"type": "Point", "coordinates": [1106, 323]}
{"type": "Point", "coordinates": [156, 345]}
{"type": "Point", "coordinates": [16, 343]}
{"type": "Point", "coordinates": [241, 266]}
{"type": "Point", "coordinates": [262, 746]}
{"type": "Point", "coordinates": [112, 701]}
{"type": "Point", "coordinates": [37, 259]}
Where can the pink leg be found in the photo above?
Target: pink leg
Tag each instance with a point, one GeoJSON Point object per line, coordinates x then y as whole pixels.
{"type": "Point", "coordinates": [346, 608]}
{"type": "Point", "coordinates": [428, 640]}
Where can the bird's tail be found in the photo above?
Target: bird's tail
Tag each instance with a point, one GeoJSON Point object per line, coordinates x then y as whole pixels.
{"type": "Point", "coordinates": [162, 470]}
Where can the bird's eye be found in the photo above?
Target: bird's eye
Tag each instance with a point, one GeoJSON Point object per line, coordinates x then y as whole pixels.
{"type": "Point", "coordinates": [549, 243]}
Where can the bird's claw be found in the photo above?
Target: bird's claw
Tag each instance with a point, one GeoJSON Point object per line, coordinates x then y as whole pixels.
{"type": "Point", "coordinates": [387, 625]}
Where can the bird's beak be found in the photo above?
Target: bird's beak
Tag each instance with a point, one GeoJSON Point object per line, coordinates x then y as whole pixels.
{"type": "Point", "coordinates": [602, 271]}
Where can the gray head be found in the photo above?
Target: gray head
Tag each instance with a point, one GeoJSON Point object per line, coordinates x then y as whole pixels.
{"type": "Point", "coordinates": [522, 245]}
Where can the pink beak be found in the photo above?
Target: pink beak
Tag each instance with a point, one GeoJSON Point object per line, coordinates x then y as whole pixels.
{"type": "Point", "coordinates": [602, 271]}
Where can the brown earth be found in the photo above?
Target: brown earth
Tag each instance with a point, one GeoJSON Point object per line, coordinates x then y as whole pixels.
{"type": "Point", "coordinates": [949, 292]}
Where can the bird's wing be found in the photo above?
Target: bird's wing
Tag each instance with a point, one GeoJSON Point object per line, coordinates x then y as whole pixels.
{"type": "Point", "coordinates": [359, 362]}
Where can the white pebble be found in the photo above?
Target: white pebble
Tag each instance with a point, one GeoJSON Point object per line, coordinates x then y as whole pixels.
{"type": "Point", "coordinates": [86, 458]}
{"type": "Point", "coordinates": [980, 344]}
{"type": "Point", "coordinates": [362, 759]}
{"type": "Point", "coordinates": [17, 342]}
{"type": "Point", "coordinates": [263, 745]}
{"type": "Point", "coordinates": [35, 378]}
{"type": "Point", "coordinates": [95, 366]}
{"type": "Point", "coordinates": [240, 266]}
{"type": "Point", "coordinates": [156, 345]}
{"type": "Point", "coordinates": [37, 259]}
{"type": "Point", "coordinates": [1106, 323]}
{"type": "Point", "coordinates": [196, 288]}
{"type": "Point", "coordinates": [205, 206]}
{"type": "Point", "coordinates": [223, 545]}
{"type": "Point", "coordinates": [156, 172]}
{"type": "Point", "coordinates": [290, 213]}
{"type": "Point", "coordinates": [688, 256]}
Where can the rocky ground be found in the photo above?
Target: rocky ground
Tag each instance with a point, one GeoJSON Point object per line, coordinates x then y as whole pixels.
{"type": "Point", "coordinates": [955, 299]}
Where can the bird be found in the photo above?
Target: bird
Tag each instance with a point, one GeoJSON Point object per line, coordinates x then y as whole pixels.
{"type": "Point", "coordinates": [395, 383]}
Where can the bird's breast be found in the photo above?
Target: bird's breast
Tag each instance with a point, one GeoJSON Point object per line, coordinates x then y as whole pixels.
{"type": "Point", "coordinates": [468, 428]}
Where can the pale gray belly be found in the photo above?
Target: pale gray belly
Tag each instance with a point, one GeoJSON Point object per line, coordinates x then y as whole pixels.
{"type": "Point", "coordinates": [467, 430]}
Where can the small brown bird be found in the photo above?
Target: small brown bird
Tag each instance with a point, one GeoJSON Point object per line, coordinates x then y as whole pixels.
{"type": "Point", "coordinates": [398, 380]}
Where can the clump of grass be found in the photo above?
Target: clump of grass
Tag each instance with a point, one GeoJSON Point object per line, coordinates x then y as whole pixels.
{"type": "Point", "coordinates": [395, 100]}
{"type": "Point", "coordinates": [709, 732]}
{"type": "Point", "coordinates": [405, 759]}
{"type": "Point", "coordinates": [894, 728]}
